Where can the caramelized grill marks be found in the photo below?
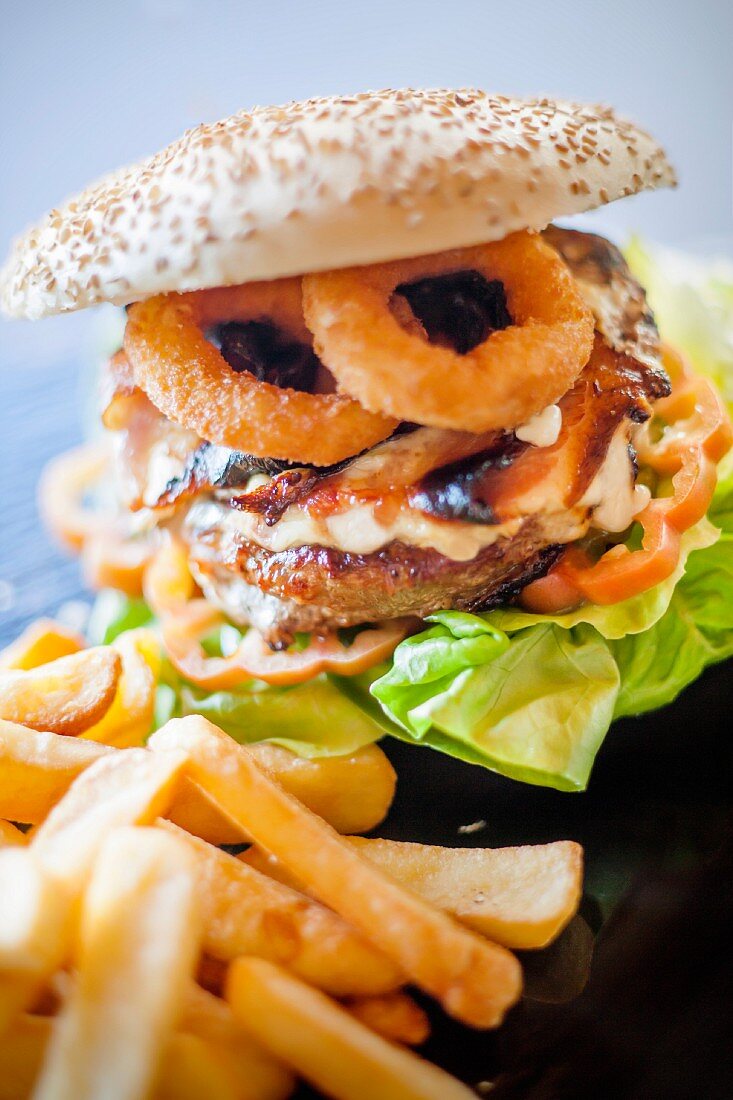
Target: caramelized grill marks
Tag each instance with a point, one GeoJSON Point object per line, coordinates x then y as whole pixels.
{"type": "Point", "coordinates": [380, 477]}
{"type": "Point", "coordinates": [455, 491]}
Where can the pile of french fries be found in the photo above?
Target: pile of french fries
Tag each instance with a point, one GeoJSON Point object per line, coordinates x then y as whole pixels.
{"type": "Point", "coordinates": [139, 959]}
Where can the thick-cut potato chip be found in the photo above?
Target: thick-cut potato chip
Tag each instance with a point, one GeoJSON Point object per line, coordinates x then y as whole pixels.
{"type": "Point", "coordinates": [521, 897]}
{"type": "Point", "coordinates": [11, 836]}
{"type": "Point", "coordinates": [247, 913]}
{"type": "Point", "coordinates": [124, 788]}
{"type": "Point", "coordinates": [139, 934]}
{"type": "Point", "coordinates": [41, 642]}
{"type": "Point", "coordinates": [353, 792]}
{"type": "Point", "coordinates": [130, 716]}
{"type": "Point", "coordinates": [36, 770]}
{"type": "Point", "coordinates": [65, 696]}
{"type": "Point", "coordinates": [326, 1045]}
{"type": "Point", "coordinates": [475, 980]}
{"type": "Point", "coordinates": [258, 1074]}
{"type": "Point", "coordinates": [393, 1015]}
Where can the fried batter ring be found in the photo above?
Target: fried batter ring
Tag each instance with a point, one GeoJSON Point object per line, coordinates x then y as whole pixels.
{"type": "Point", "coordinates": [512, 375]}
{"type": "Point", "coordinates": [190, 382]}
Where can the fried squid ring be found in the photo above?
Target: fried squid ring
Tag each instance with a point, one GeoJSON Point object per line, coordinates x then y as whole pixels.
{"type": "Point", "coordinates": [190, 382]}
{"type": "Point", "coordinates": [515, 373]}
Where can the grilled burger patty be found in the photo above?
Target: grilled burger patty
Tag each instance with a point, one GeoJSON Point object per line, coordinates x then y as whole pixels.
{"type": "Point", "coordinates": [523, 502]}
{"type": "Point", "coordinates": [429, 519]}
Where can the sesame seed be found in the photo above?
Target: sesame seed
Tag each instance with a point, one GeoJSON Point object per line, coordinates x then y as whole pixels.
{"type": "Point", "coordinates": [248, 177]}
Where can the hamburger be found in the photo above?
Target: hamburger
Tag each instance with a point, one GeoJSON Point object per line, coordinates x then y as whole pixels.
{"type": "Point", "coordinates": [386, 449]}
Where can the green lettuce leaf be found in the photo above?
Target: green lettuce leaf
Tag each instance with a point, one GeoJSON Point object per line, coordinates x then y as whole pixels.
{"type": "Point", "coordinates": [311, 719]}
{"type": "Point", "coordinates": [113, 613]}
{"type": "Point", "coordinates": [631, 616]}
{"type": "Point", "coordinates": [535, 707]}
{"type": "Point", "coordinates": [532, 696]}
{"type": "Point", "coordinates": [696, 631]}
{"type": "Point", "coordinates": [692, 300]}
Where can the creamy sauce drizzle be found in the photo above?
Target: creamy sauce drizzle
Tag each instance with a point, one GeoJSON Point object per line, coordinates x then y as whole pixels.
{"type": "Point", "coordinates": [356, 530]}
{"type": "Point", "coordinates": [542, 429]}
{"type": "Point", "coordinates": [612, 494]}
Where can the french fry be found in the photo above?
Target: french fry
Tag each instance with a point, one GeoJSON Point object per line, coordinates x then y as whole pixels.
{"type": "Point", "coordinates": [475, 980]}
{"type": "Point", "coordinates": [66, 696]}
{"type": "Point", "coordinates": [39, 892]}
{"type": "Point", "coordinates": [192, 1068]}
{"type": "Point", "coordinates": [21, 1054]}
{"type": "Point", "coordinates": [11, 836]}
{"type": "Point", "coordinates": [325, 1044]}
{"type": "Point", "coordinates": [34, 914]}
{"type": "Point", "coordinates": [138, 939]}
{"type": "Point", "coordinates": [124, 788]}
{"type": "Point", "coordinates": [35, 925]}
{"type": "Point", "coordinates": [394, 1016]}
{"type": "Point", "coordinates": [41, 642]}
{"type": "Point", "coordinates": [130, 716]}
{"type": "Point", "coordinates": [36, 769]}
{"type": "Point", "coordinates": [353, 792]}
{"type": "Point", "coordinates": [259, 1076]}
{"type": "Point", "coordinates": [520, 897]}
{"type": "Point", "coordinates": [247, 913]}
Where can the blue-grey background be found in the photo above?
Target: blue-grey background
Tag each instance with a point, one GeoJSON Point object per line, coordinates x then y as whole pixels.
{"type": "Point", "coordinates": [86, 85]}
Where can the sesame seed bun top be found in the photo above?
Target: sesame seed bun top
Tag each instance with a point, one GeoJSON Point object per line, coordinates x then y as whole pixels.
{"type": "Point", "coordinates": [327, 183]}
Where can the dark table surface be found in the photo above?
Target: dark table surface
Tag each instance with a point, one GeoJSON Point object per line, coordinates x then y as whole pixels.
{"type": "Point", "coordinates": [655, 1018]}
